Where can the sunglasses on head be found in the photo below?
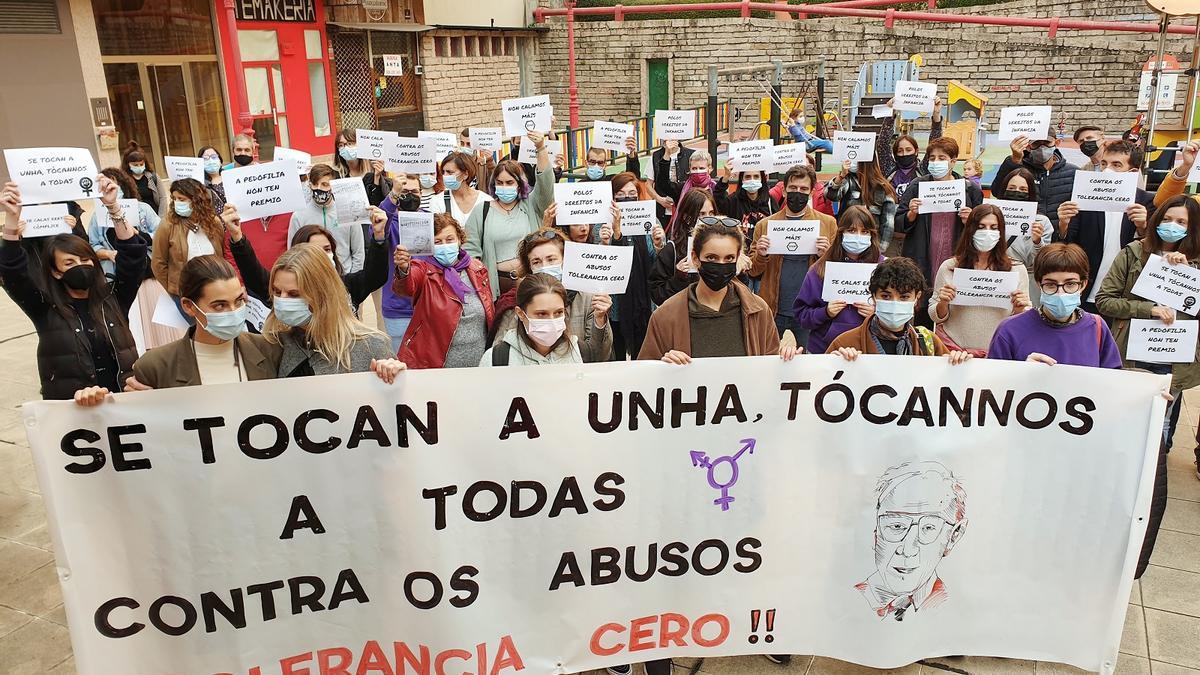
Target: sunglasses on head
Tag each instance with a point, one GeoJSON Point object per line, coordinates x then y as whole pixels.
{"type": "Point", "coordinates": [719, 220]}
{"type": "Point", "coordinates": [544, 234]}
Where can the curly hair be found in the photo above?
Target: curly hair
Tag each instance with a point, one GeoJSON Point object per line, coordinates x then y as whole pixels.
{"type": "Point", "coordinates": [899, 274]}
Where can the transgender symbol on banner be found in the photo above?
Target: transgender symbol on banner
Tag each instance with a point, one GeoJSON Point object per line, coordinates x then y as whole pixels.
{"type": "Point", "coordinates": [700, 459]}
{"type": "Point", "coordinates": [921, 514]}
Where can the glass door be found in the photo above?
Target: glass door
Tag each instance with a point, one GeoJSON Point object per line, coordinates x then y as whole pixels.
{"type": "Point", "coordinates": [168, 89]}
{"type": "Point", "coordinates": [264, 89]}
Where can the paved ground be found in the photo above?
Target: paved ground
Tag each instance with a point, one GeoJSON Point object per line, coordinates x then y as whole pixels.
{"type": "Point", "coordinates": [1162, 629]}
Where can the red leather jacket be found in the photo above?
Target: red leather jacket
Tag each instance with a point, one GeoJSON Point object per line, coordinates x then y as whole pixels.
{"type": "Point", "coordinates": [436, 311]}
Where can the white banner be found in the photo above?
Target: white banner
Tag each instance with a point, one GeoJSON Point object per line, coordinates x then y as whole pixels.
{"type": "Point", "coordinates": [272, 526]}
{"type": "Point", "coordinates": [523, 115]}
{"type": "Point", "coordinates": [262, 190]}
{"type": "Point", "coordinates": [591, 268]}
{"type": "Point", "coordinates": [52, 174]}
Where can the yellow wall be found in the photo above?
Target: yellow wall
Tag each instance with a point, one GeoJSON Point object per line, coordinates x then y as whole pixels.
{"type": "Point", "coordinates": [506, 13]}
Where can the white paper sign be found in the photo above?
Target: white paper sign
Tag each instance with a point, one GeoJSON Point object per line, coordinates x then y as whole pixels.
{"type": "Point", "coordinates": [983, 288]}
{"type": "Point", "coordinates": [257, 316]}
{"type": "Point", "coordinates": [179, 168]}
{"type": "Point", "coordinates": [591, 268]}
{"type": "Point", "coordinates": [528, 152]}
{"type": "Point", "coordinates": [300, 159]}
{"type": "Point", "coordinates": [882, 111]}
{"type": "Point", "coordinates": [45, 220]}
{"type": "Point", "coordinates": [942, 196]}
{"type": "Point", "coordinates": [52, 174]}
{"type": "Point", "coordinates": [416, 231]}
{"type": "Point", "coordinates": [637, 218]}
{"type": "Point", "coordinates": [412, 155]}
{"type": "Point", "coordinates": [262, 190]}
{"type": "Point", "coordinates": [1174, 286]}
{"type": "Point", "coordinates": [350, 201]}
{"type": "Point", "coordinates": [485, 138]}
{"type": "Point", "coordinates": [1032, 121]}
{"type": "Point", "coordinates": [847, 281]}
{"type": "Point", "coordinates": [445, 142]}
{"type": "Point", "coordinates": [166, 313]}
{"type": "Point", "coordinates": [374, 145]}
{"type": "Point", "coordinates": [586, 203]}
{"type": "Point", "coordinates": [856, 146]}
{"type": "Point", "coordinates": [523, 115]}
{"type": "Point", "coordinates": [784, 157]}
{"type": "Point", "coordinates": [753, 155]}
{"type": "Point", "coordinates": [1018, 216]}
{"type": "Point", "coordinates": [1166, 93]}
{"type": "Point", "coordinates": [1154, 341]}
{"type": "Point", "coordinates": [915, 96]}
{"type": "Point", "coordinates": [691, 246]}
{"type": "Point", "coordinates": [129, 210]}
{"type": "Point", "coordinates": [611, 135]}
{"type": "Point", "coordinates": [793, 237]}
{"type": "Point", "coordinates": [393, 65]}
{"type": "Point", "coordinates": [677, 125]}
{"type": "Point", "coordinates": [1100, 191]}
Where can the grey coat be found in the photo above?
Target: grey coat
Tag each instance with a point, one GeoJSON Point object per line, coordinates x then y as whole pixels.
{"type": "Point", "coordinates": [295, 354]}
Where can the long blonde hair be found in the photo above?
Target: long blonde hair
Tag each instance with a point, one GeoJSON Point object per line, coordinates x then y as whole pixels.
{"type": "Point", "coordinates": [333, 330]}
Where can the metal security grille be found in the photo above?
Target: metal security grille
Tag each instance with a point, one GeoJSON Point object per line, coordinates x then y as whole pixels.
{"type": "Point", "coordinates": [29, 16]}
{"type": "Point", "coordinates": [366, 98]}
{"type": "Point", "coordinates": [355, 82]}
{"type": "Point", "coordinates": [403, 93]}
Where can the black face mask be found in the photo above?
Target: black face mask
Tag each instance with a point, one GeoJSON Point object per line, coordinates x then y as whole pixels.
{"type": "Point", "coordinates": [79, 277]}
{"type": "Point", "coordinates": [322, 197]}
{"type": "Point", "coordinates": [409, 202]}
{"type": "Point", "coordinates": [717, 275]}
{"type": "Point", "coordinates": [1089, 148]}
{"type": "Point", "coordinates": [906, 161]}
{"type": "Point", "coordinates": [797, 201]}
{"type": "Point", "coordinates": [1015, 196]}
{"type": "Point", "coordinates": [243, 160]}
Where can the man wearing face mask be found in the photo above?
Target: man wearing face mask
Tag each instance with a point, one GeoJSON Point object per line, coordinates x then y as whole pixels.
{"type": "Point", "coordinates": [1090, 140]}
{"type": "Point", "coordinates": [1053, 176]}
{"type": "Point", "coordinates": [269, 235]}
{"type": "Point", "coordinates": [351, 248]}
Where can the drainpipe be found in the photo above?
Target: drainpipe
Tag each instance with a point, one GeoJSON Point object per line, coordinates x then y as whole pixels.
{"type": "Point", "coordinates": [242, 115]}
{"type": "Point", "coordinates": [572, 86]}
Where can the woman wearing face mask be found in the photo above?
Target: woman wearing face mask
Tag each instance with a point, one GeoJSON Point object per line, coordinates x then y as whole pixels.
{"type": "Point", "coordinates": [630, 314]}
{"type": "Point", "coordinates": [1019, 186]}
{"type": "Point", "coordinates": [190, 229]}
{"type": "Point", "coordinates": [348, 164]}
{"type": "Point", "coordinates": [699, 177]}
{"type": "Point", "coordinates": [83, 337]}
{"type": "Point", "coordinates": [212, 176]}
{"type": "Point", "coordinates": [101, 233]}
{"type": "Point", "coordinates": [452, 303]}
{"type": "Point", "coordinates": [431, 185]}
{"type": "Point", "coordinates": [133, 162]}
{"type": "Point", "coordinates": [863, 184]}
{"type": "Point", "coordinates": [672, 264]}
{"type": "Point", "coordinates": [322, 211]}
{"type": "Point", "coordinates": [749, 203]}
{"type": "Point", "coordinates": [899, 159]}
{"type": "Point", "coordinates": [459, 199]}
{"type": "Point", "coordinates": [541, 336]}
{"type": "Point", "coordinates": [982, 247]}
{"type": "Point", "coordinates": [494, 230]}
{"type": "Point", "coordinates": [374, 274]}
{"type": "Point", "coordinates": [587, 314]}
{"type": "Point", "coordinates": [857, 241]}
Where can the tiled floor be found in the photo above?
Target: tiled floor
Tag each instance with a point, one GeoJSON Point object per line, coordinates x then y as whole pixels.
{"type": "Point", "coordinates": [1162, 629]}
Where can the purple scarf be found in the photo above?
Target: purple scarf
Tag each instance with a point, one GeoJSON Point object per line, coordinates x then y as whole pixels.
{"type": "Point", "coordinates": [451, 273]}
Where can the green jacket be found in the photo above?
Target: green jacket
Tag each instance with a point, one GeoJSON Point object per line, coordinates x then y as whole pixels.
{"type": "Point", "coordinates": [1116, 300]}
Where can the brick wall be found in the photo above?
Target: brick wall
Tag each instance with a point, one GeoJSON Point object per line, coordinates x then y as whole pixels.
{"type": "Point", "coordinates": [464, 91]}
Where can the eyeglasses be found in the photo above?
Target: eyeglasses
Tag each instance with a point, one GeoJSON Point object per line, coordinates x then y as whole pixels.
{"type": "Point", "coordinates": [894, 528]}
{"type": "Point", "coordinates": [597, 162]}
{"type": "Point", "coordinates": [719, 220]}
{"type": "Point", "coordinates": [548, 235]}
{"type": "Point", "coordinates": [1051, 288]}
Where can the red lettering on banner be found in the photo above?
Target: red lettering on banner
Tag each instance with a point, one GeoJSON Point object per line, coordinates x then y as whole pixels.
{"type": "Point", "coordinates": [639, 631]}
{"type": "Point", "coordinates": [676, 635]}
{"type": "Point", "coordinates": [325, 661]}
{"type": "Point", "coordinates": [373, 660]}
{"type": "Point", "coordinates": [672, 630]}
{"type": "Point", "coordinates": [440, 662]}
{"type": "Point", "coordinates": [722, 622]}
{"type": "Point", "coordinates": [595, 646]}
{"type": "Point", "coordinates": [285, 665]}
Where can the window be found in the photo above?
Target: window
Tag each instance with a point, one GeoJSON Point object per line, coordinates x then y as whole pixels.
{"type": "Point", "coordinates": [497, 46]}
{"type": "Point", "coordinates": [440, 46]}
{"type": "Point", "coordinates": [485, 46]}
{"type": "Point", "coordinates": [510, 46]}
{"type": "Point", "coordinates": [456, 46]}
{"type": "Point", "coordinates": [258, 45]}
{"type": "Point", "coordinates": [180, 27]}
{"type": "Point", "coordinates": [312, 45]}
{"type": "Point", "coordinates": [29, 16]}
{"type": "Point", "coordinates": [320, 106]}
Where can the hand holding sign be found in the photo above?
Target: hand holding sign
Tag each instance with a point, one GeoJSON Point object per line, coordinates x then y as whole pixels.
{"type": "Point", "coordinates": [1104, 190]}
{"type": "Point", "coordinates": [679, 125]}
{"type": "Point", "coordinates": [583, 203]}
{"type": "Point", "coordinates": [856, 146]}
{"type": "Point", "coordinates": [1030, 121]}
{"type": "Point", "coordinates": [1176, 286]}
{"type": "Point", "coordinates": [942, 196]}
{"type": "Point", "coordinates": [52, 174]}
{"type": "Point", "coordinates": [847, 282]}
{"type": "Point", "coordinates": [915, 96]}
{"type": "Point", "coordinates": [1159, 341]}
{"type": "Point", "coordinates": [522, 115]}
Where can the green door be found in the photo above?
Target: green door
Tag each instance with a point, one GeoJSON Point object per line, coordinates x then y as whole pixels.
{"type": "Point", "coordinates": [659, 80]}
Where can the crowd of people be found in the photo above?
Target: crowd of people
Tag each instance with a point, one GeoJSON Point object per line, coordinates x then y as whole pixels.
{"type": "Point", "coordinates": [704, 281]}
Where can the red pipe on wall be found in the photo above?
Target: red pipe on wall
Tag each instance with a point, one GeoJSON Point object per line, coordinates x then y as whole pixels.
{"type": "Point", "coordinates": [242, 114]}
{"type": "Point", "coordinates": [572, 85]}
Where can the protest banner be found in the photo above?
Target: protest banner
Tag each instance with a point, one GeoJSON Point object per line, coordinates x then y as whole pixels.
{"type": "Point", "coordinates": [793, 237]}
{"type": "Point", "coordinates": [1031, 121]}
{"type": "Point", "coordinates": [679, 125]}
{"type": "Point", "coordinates": [130, 211]}
{"type": "Point", "coordinates": [942, 196]}
{"type": "Point", "coordinates": [44, 220]}
{"type": "Point", "coordinates": [1018, 216]}
{"type": "Point", "coordinates": [856, 146]}
{"type": "Point", "coordinates": [847, 282]}
{"type": "Point", "coordinates": [983, 288]}
{"type": "Point", "coordinates": [751, 155]}
{"type": "Point", "coordinates": [912, 96]}
{"type": "Point", "coordinates": [411, 155]}
{"type": "Point", "coordinates": [444, 142]}
{"type": "Point", "coordinates": [528, 152]}
{"type": "Point", "coordinates": [179, 168]}
{"type": "Point", "coordinates": [302, 160]}
{"type": "Point", "coordinates": [350, 201]}
{"type": "Point", "coordinates": [1174, 286]}
{"type": "Point", "coordinates": [611, 135]}
{"type": "Point", "coordinates": [637, 218]}
{"type": "Point", "coordinates": [1154, 341]}
{"type": "Point", "coordinates": [784, 157]}
{"type": "Point", "coordinates": [485, 138]}
{"type": "Point", "coordinates": [393, 65]}
{"type": "Point", "coordinates": [262, 190]}
{"type": "Point", "coordinates": [52, 174]}
{"type": "Point", "coordinates": [588, 203]}
{"type": "Point", "coordinates": [374, 145]}
{"type": "Point", "coordinates": [523, 115]}
{"type": "Point", "coordinates": [591, 268]}
{"type": "Point", "coordinates": [1104, 191]}
{"type": "Point", "coordinates": [268, 527]}
{"type": "Point", "coordinates": [416, 231]}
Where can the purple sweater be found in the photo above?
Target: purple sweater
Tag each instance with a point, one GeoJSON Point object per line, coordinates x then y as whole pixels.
{"type": "Point", "coordinates": [1075, 345]}
{"type": "Point", "coordinates": [809, 312]}
{"type": "Point", "coordinates": [394, 306]}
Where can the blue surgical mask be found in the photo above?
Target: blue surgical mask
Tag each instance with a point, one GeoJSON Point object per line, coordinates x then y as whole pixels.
{"type": "Point", "coordinates": [752, 185]}
{"type": "Point", "coordinates": [553, 270]}
{"type": "Point", "coordinates": [856, 243]}
{"type": "Point", "coordinates": [939, 169]}
{"type": "Point", "coordinates": [137, 170]}
{"type": "Point", "coordinates": [451, 182]}
{"type": "Point", "coordinates": [427, 181]}
{"type": "Point", "coordinates": [212, 167]}
{"type": "Point", "coordinates": [595, 172]}
{"type": "Point", "coordinates": [446, 254]}
{"type": "Point", "coordinates": [183, 209]}
{"type": "Point", "coordinates": [291, 311]}
{"type": "Point", "coordinates": [507, 195]}
{"type": "Point", "coordinates": [894, 314]}
{"type": "Point", "coordinates": [225, 326]}
{"type": "Point", "coordinates": [1060, 305]}
{"type": "Point", "coordinates": [348, 153]}
{"type": "Point", "coordinates": [1170, 232]}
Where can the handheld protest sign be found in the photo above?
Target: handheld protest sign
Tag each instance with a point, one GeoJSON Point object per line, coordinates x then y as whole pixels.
{"type": "Point", "coordinates": [984, 288]}
{"type": "Point", "coordinates": [416, 231]}
{"type": "Point", "coordinates": [1104, 190]}
{"type": "Point", "coordinates": [637, 218]}
{"type": "Point", "coordinates": [444, 142]}
{"type": "Point", "coordinates": [585, 203]}
{"type": "Point", "coordinates": [912, 96]}
{"type": "Point", "coordinates": [610, 135]}
{"type": "Point", "coordinates": [590, 268]}
{"type": "Point", "coordinates": [374, 145]}
{"type": "Point", "coordinates": [679, 125]}
{"type": "Point", "coordinates": [45, 220]}
{"type": "Point", "coordinates": [1032, 121]}
{"type": "Point", "coordinates": [942, 196]}
{"type": "Point", "coordinates": [856, 146]}
{"type": "Point", "coordinates": [185, 167]}
{"type": "Point", "coordinates": [262, 190]}
{"type": "Point", "coordinates": [412, 155]}
{"type": "Point", "coordinates": [52, 174]}
{"type": "Point", "coordinates": [350, 201]}
{"type": "Point", "coordinates": [1174, 286]}
{"type": "Point", "coordinates": [486, 138]}
{"type": "Point", "coordinates": [523, 115]}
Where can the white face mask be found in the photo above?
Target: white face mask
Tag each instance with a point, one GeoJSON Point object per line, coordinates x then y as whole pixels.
{"type": "Point", "coordinates": [329, 254]}
{"type": "Point", "coordinates": [546, 332]}
{"type": "Point", "coordinates": [985, 240]}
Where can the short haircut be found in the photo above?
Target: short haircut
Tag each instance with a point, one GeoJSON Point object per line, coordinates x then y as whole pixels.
{"type": "Point", "coordinates": [945, 144]}
{"type": "Point", "coordinates": [443, 220]}
{"type": "Point", "coordinates": [462, 161]}
{"type": "Point", "coordinates": [894, 476]}
{"type": "Point", "coordinates": [1125, 148]}
{"type": "Point", "coordinates": [700, 156]}
{"type": "Point", "coordinates": [546, 235]}
{"type": "Point", "coordinates": [800, 171]}
{"type": "Point", "coordinates": [319, 171]}
{"type": "Point", "coordinates": [1084, 129]}
{"type": "Point", "coordinates": [1060, 258]}
{"type": "Point", "coordinates": [600, 153]}
{"type": "Point", "coordinates": [900, 274]}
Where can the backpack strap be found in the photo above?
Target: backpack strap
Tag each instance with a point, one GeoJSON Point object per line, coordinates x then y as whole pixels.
{"type": "Point", "coordinates": [446, 193]}
{"type": "Point", "coordinates": [500, 354]}
{"type": "Point", "coordinates": [483, 227]}
{"type": "Point", "coordinates": [926, 337]}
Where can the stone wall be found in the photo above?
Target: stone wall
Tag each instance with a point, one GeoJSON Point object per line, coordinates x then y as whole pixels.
{"type": "Point", "coordinates": [466, 90]}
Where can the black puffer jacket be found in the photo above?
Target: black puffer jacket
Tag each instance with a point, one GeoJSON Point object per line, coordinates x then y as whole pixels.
{"type": "Point", "coordinates": [1054, 186]}
{"type": "Point", "coordinates": [64, 354]}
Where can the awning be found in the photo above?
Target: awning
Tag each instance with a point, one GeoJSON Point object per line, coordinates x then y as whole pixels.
{"type": "Point", "coordinates": [389, 27]}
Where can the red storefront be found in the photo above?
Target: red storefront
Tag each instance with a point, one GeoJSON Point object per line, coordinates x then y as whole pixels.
{"type": "Point", "coordinates": [280, 47]}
